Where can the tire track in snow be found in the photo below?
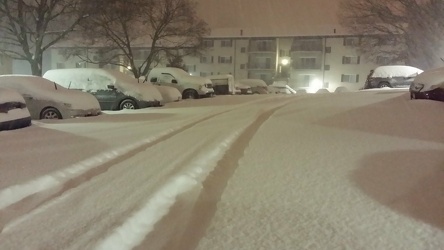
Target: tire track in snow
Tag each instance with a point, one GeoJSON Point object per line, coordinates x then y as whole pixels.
{"type": "Point", "coordinates": [164, 203]}
{"type": "Point", "coordinates": [206, 205]}
{"type": "Point", "coordinates": [18, 200]}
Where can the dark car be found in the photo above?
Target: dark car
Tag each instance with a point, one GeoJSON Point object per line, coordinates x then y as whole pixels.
{"type": "Point", "coordinates": [392, 76]}
{"type": "Point", "coordinates": [113, 99]}
{"type": "Point", "coordinates": [428, 85]}
{"type": "Point", "coordinates": [13, 111]}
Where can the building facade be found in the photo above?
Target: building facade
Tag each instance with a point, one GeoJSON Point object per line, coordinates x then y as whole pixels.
{"type": "Point", "coordinates": [309, 63]}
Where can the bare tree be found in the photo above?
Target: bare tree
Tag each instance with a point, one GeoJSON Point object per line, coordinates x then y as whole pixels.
{"type": "Point", "coordinates": [143, 31]}
{"type": "Point", "coordinates": [30, 27]}
{"type": "Point", "coordinates": [408, 31]}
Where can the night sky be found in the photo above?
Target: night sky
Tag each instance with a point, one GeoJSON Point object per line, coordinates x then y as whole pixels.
{"type": "Point", "coordinates": [270, 17]}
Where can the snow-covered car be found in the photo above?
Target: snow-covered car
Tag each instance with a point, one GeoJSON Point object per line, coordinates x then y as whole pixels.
{"type": "Point", "coordinates": [428, 85]}
{"type": "Point", "coordinates": [242, 89]}
{"type": "Point", "coordinates": [113, 89]}
{"type": "Point", "coordinates": [13, 111]}
{"type": "Point", "coordinates": [48, 100]}
{"type": "Point", "coordinates": [391, 76]}
{"type": "Point", "coordinates": [258, 86]}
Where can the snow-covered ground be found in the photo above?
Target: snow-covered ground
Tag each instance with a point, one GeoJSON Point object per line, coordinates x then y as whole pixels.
{"type": "Point", "coordinates": [359, 170]}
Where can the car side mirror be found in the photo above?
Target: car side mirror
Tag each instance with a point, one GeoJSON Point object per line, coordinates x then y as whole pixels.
{"type": "Point", "coordinates": [111, 87]}
{"type": "Point", "coordinates": [174, 81]}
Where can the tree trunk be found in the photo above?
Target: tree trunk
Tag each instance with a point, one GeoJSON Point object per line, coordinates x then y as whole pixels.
{"type": "Point", "coordinates": [36, 66]}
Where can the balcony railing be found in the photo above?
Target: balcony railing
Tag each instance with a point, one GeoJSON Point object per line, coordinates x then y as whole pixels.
{"type": "Point", "coordinates": [261, 66]}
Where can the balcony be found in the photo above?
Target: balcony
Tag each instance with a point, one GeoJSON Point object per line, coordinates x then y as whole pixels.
{"type": "Point", "coordinates": [261, 46]}
{"type": "Point", "coordinates": [307, 45]}
{"type": "Point", "coordinates": [261, 66]}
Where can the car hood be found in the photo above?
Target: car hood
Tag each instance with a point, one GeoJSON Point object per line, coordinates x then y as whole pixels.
{"type": "Point", "coordinates": [431, 79]}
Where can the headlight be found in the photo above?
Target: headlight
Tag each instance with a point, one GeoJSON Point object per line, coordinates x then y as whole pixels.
{"type": "Point", "coordinates": [68, 105]}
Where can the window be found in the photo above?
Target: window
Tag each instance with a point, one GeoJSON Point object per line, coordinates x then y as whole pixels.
{"type": "Point", "coordinates": [206, 59]}
{"type": "Point", "coordinates": [326, 67]}
{"type": "Point", "coordinates": [308, 63]}
{"type": "Point", "coordinates": [208, 43]}
{"type": "Point", "coordinates": [264, 45]}
{"type": "Point", "coordinates": [242, 66]}
{"type": "Point", "coordinates": [282, 53]}
{"type": "Point", "coordinates": [224, 59]}
{"type": "Point", "coordinates": [351, 59]}
{"type": "Point", "coordinates": [351, 41]}
{"type": "Point", "coordinates": [350, 78]}
{"type": "Point", "coordinates": [243, 50]}
{"type": "Point", "coordinates": [327, 49]}
{"type": "Point", "coordinates": [382, 60]}
{"type": "Point", "coordinates": [226, 43]}
{"type": "Point", "coordinates": [190, 68]}
{"type": "Point", "coordinates": [307, 45]}
{"type": "Point", "coordinates": [203, 74]}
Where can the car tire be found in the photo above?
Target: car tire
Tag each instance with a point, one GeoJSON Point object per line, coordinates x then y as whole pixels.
{"type": "Point", "coordinates": [190, 94]}
{"type": "Point", "coordinates": [128, 104]}
{"type": "Point", "coordinates": [50, 113]}
{"type": "Point", "coordinates": [384, 84]}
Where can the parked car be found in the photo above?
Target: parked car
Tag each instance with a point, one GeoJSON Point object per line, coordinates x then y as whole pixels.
{"type": "Point", "coordinates": [258, 86]}
{"type": "Point", "coordinates": [13, 111]}
{"type": "Point", "coordinates": [391, 76]}
{"type": "Point", "coordinates": [242, 89]}
{"type": "Point", "coordinates": [48, 100]}
{"type": "Point", "coordinates": [191, 87]}
{"type": "Point", "coordinates": [113, 89]}
{"type": "Point", "coordinates": [428, 85]}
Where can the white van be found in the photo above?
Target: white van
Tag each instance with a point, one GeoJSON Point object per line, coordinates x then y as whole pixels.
{"type": "Point", "coordinates": [191, 87]}
{"type": "Point", "coordinates": [113, 89]}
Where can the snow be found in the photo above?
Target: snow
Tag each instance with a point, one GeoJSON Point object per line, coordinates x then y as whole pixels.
{"type": "Point", "coordinates": [9, 95]}
{"type": "Point", "coordinates": [99, 79]}
{"type": "Point", "coordinates": [351, 170]}
{"type": "Point", "coordinates": [253, 82]}
{"type": "Point", "coordinates": [431, 79]}
{"type": "Point", "coordinates": [42, 89]}
{"type": "Point", "coordinates": [396, 71]}
{"type": "Point", "coordinates": [169, 94]}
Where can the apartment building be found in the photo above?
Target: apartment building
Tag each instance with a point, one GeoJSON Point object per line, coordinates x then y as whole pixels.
{"type": "Point", "coordinates": [310, 63]}
{"type": "Point", "coordinates": [303, 62]}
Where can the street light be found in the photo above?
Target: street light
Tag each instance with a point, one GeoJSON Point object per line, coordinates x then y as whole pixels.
{"type": "Point", "coordinates": [285, 61]}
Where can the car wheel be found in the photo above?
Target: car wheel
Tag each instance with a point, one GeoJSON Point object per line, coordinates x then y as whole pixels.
{"type": "Point", "coordinates": [384, 85]}
{"type": "Point", "coordinates": [50, 113]}
{"type": "Point", "coordinates": [127, 104]}
{"type": "Point", "coordinates": [189, 94]}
